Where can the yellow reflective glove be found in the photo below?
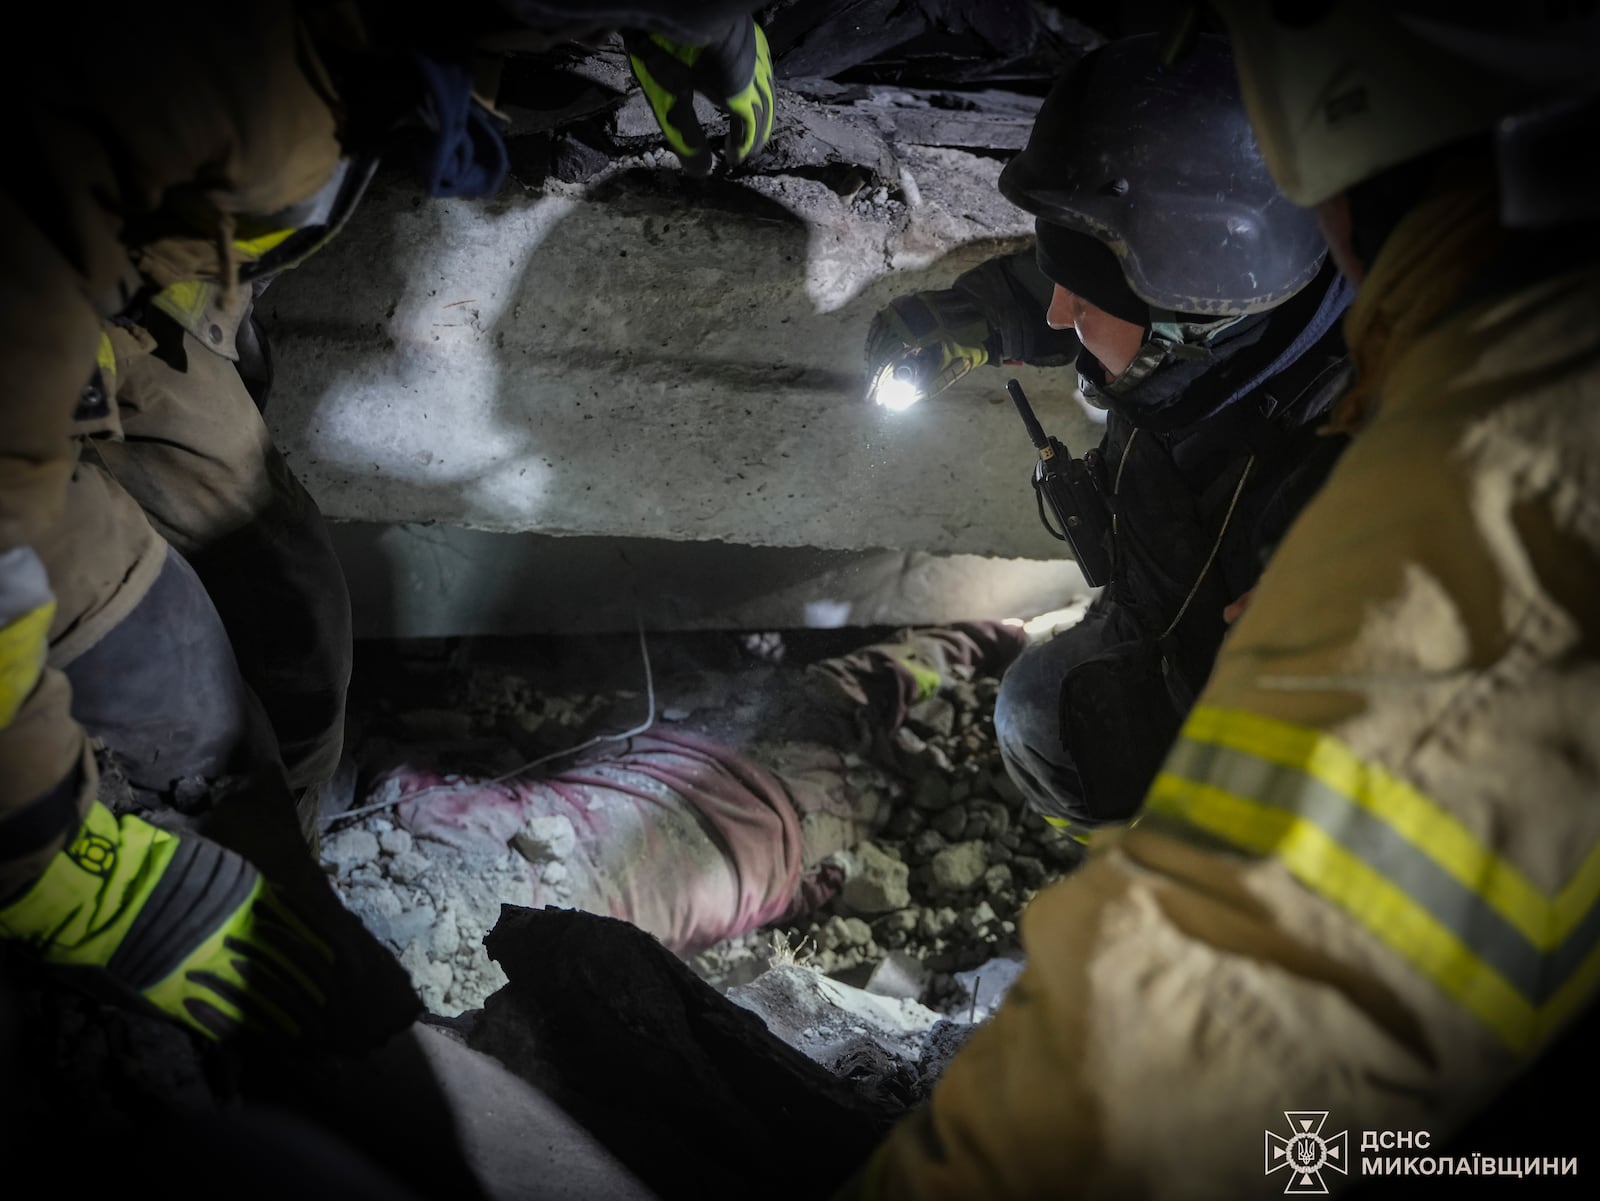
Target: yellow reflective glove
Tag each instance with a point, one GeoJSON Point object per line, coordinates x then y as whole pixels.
{"type": "Point", "coordinates": [184, 923]}
{"type": "Point", "coordinates": [943, 335]}
{"type": "Point", "coordinates": [735, 72]}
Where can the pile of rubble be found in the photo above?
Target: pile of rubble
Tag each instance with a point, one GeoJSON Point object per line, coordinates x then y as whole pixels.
{"type": "Point", "coordinates": [431, 904]}
{"type": "Point", "coordinates": [952, 857]}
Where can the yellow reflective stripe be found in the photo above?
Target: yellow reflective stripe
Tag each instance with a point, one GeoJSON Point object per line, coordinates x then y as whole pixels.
{"type": "Point", "coordinates": [256, 247]}
{"type": "Point", "coordinates": [105, 357]}
{"type": "Point", "coordinates": [1318, 861]}
{"type": "Point", "coordinates": [1579, 898]}
{"type": "Point", "coordinates": [1521, 960]}
{"type": "Point", "coordinates": [23, 644]}
{"type": "Point", "coordinates": [1437, 833]}
{"type": "Point", "coordinates": [185, 300]}
{"type": "Point", "coordinates": [1086, 836]}
{"type": "Point", "coordinates": [1067, 828]}
{"type": "Point", "coordinates": [1575, 993]}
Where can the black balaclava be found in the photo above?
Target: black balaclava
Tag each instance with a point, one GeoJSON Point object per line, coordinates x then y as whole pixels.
{"type": "Point", "coordinates": [1087, 268]}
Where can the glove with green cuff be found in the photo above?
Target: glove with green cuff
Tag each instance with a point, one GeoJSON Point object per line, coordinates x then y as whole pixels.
{"type": "Point", "coordinates": [186, 924]}
{"type": "Point", "coordinates": [734, 72]}
{"type": "Point", "coordinates": [946, 329]}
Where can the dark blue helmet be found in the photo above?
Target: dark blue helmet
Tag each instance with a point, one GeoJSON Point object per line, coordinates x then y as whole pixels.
{"type": "Point", "coordinates": [1157, 164]}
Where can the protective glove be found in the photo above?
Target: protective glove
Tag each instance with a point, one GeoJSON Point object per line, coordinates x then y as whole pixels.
{"type": "Point", "coordinates": [184, 923]}
{"type": "Point", "coordinates": [734, 72]}
{"type": "Point", "coordinates": [943, 335]}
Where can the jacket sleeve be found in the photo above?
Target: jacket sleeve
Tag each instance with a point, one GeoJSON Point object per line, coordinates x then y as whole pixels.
{"type": "Point", "coordinates": [1014, 296]}
{"type": "Point", "coordinates": [147, 175]}
{"type": "Point", "coordinates": [1365, 883]}
{"type": "Point", "coordinates": [48, 336]}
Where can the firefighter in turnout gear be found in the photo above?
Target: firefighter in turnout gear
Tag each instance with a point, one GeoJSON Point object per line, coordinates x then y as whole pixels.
{"type": "Point", "coordinates": [1366, 877]}
{"type": "Point", "coordinates": [167, 587]}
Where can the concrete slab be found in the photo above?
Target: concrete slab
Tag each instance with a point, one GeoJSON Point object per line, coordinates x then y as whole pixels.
{"type": "Point", "coordinates": [655, 357]}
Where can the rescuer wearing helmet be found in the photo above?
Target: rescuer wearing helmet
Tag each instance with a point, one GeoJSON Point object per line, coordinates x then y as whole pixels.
{"type": "Point", "coordinates": [1204, 319]}
{"type": "Point", "coordinates": [1365, 885]}
{"type": "Point", "coordinates": [166, 585]}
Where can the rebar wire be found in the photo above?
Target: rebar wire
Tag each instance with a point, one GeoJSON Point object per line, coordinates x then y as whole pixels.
{"type": "Point", "coordinates": [642, 727]}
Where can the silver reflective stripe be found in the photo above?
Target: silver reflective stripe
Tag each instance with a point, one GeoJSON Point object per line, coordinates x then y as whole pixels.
{"type": "Point", "coordinates": [1536, 974]}
{"type": "Point", "coordinates": [24, 586]}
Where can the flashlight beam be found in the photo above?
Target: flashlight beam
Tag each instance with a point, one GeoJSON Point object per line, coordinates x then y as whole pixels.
{"type": "Point", "coordinates": [896, 395]}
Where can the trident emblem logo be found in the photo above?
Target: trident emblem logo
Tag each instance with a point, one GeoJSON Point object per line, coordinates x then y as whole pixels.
{"type": "Point", "coordinates": [1306, 1153]}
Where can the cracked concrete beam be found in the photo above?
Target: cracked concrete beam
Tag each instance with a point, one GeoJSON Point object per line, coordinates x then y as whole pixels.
{"type": "Point", "coordinates": [654, 357]}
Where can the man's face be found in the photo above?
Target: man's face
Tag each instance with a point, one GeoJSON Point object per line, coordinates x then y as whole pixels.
{"type": "Point", "coordinates": [1111, 340]}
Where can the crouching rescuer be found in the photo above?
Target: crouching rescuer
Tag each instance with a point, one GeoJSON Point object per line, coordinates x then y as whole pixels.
{"type": "Point", "coordinates": [1200, 312]}
{"type": "Point", "coordinates": [1366, 879]}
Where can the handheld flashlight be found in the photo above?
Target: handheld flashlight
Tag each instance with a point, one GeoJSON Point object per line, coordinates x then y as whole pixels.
{"type": "Point", "coordinates": [900, 384]}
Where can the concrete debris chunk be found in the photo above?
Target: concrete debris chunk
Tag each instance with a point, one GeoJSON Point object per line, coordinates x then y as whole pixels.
{"type": "Point", "coordinates": [635, 122]}
{"type": "Point", "coordinates": [411, 925]}
{"type": "Point", "coordinates": [899, 975]}
{"type": "Point", "coordinates": [856, 932]}
{"type": "Point", "coordinates": [906, 740]}
{"type": "Point", "coordinates": [963, 131]}
{"type": "Point", "coordinates": [958, 868]}
{"type": "Point", "coordinates": [344, 849]}
{"type": "Point", "coordinates": [822, 1017]}
{"type": "Point", "coordinates": [880, 883]}
{"type": "Point", "coordinates": [840, 932]}
{"type": "Point", "coordinates": [547, 838]}
{"type": "Point", "coordinates": [933, 792]}
{"type": "Point", "coordinates": [934, 716]}
{"type": "Point", "coordinates": [927, 844]}
{"type": "Point", "coordinates": [431, 977]}
{"type": "Point", "coordinates": [986, 986]}
{"type": "Point", "coordinates": [444, 938]}
{"type": "Point", "coordinates": [409, 868]}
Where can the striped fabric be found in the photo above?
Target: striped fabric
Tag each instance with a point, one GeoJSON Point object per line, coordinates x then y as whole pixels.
{"type": "Point", "coordinates": [1521, 960]}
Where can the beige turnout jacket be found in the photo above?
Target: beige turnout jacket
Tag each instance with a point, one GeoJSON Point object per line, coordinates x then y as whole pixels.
{"type": "Point", "coordinates": [163, 174]}
{"type": "Point", "coordinates": [1367, 878]}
